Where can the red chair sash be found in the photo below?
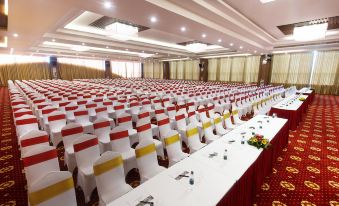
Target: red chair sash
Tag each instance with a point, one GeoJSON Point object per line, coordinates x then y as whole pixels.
{"type": "Point", "coordinates": [85, 145]}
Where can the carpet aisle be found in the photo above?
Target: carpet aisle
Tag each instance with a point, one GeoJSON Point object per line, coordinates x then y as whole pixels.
{"type": "Point", "coordinates": [307, 173]}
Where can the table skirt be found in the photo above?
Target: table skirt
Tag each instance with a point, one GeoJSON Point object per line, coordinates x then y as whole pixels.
{"type": "Point", "coordinates": [244, 190]}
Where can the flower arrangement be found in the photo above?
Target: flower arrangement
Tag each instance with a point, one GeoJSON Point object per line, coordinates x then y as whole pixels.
{"type": "Point", "coordinates": [302, 99]}
{"type": "Point", "coordinates": [259, 142]}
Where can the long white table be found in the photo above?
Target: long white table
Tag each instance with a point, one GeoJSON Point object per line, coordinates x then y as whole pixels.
{"type": "Point", "coordinates": [292, 108]}
{"type": "Point", "coordinates": [214, 177]}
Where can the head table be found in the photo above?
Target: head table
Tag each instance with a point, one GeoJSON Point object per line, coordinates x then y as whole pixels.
{"type": "Point", "coordinates": [217, 180]}
{"type": "Point", "coordinates": [292, 108]}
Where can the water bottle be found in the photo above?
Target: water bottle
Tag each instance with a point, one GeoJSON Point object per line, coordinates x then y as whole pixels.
{"type": "Point", "coordinates": [243, 140]}
{"type": "Point", "coordinates": [225, 154]}
{"type": "Point", "coordinates": [191, 180]}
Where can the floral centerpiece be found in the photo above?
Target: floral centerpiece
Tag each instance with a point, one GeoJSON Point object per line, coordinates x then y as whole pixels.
{"type": "Point", "coordinates": [302, 99]}
{"type": "Point", "coordinates": [259, 141]}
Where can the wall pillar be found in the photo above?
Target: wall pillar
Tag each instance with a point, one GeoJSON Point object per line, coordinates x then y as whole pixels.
{"type": "Point", "coordinates": [53, 67]}
{"type": "Point", "coordinates": [265, 69]}
{"type": "Point", "coordinates": [166, 70]}
{"type": "Point", "coordinates": [203, 66]}
{"type": "Point", "coordinates": [108, 70]}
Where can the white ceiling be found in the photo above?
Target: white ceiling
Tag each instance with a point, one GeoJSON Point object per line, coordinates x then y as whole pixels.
{"type": "Point", "coordinates": [246, 23]}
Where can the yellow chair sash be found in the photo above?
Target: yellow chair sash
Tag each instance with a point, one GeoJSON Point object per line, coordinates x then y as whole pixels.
{"type": "Point", "coordinates": [145, 150]}
{"type": "Point", "coordinates": [206, 125]}
{"type": "Point", "coordinates": [107, 166]}
{"type": "Point", "coordinates": [192, 132]}
{"type": "Point", "coordinates": [217, 120]}
{"type": "Point", "coordinates": [172, 139]}
{"type": "Point", "coordinates": [35, 198]}
{"type": "Point", "coordinates": [227, 115]}
{"type": "Point", "coordinates": [235, 112]}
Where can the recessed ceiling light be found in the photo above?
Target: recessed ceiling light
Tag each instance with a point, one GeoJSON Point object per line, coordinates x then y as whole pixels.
{"type": "Point", "coordinates": [15, 35]}
{"type": "Point", "coordinates": [156, 53]}
{"type": "Point", "coordinates": [83, 44]}
{"type": "Point", "coordinates": [261, 53]}
{"type": "Point", "coordinates": [203, 35]}
{"type": "Point", "coordinates": [53, 40]}
{"type": "Point", "coordinates": [107, 47]}
{"type": "Point", "coordinates": [126, 49]}
{"type": "Point", "coordinates": [240, 47]}
{"type": "Point", "coordinates": [153, 19]}
{"type": "Point", "coordinates": [107, 5]}
{"type": "Point", "coordinates": [255, 51]}
{"type": "Point", "coordinates": [183, 28]}
{"type": "Point", "coordinates": [142, 51]}
{"type": "Point", "coordinates": [231, 44]}
{"type": "Point", "coordinates": [266, 1]}
{"type": "Point", "coordinates": [219, 40]}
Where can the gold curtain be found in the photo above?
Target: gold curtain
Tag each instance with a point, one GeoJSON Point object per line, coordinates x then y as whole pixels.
{"type": "Point", "coordinates": [189, 70]}
{"type": "Point", "coordinates": [251, 69]}
{"type": "Point", "coordinates": [195, 70]}
{"type": "Point", "coordinates": [326, 73]}
{"type": "Point", "coordinates": [161, 68]}
{"type": "Point", "coordinates": [70, 72]}
{"type": "Point", "coordinates": [212, 69]}
{"type": "Point", "coordinates": [300, 69]}
{"type": "Point", "coordinates": [148, 70]}
{"type": "Point", "coordinates": [180, 69]}
{"type": "Point", "coordinates": [157, 69]}
{"type": "Point", "coordinates": [238, 67]}
{"type": "Point", "coordinates": [173, 70]}
{"type": "Point", "coordinates": [24, 71]}
{"type": "Point", "coordinates": [280, 67]}
{"type": "Point", "coordinates": [225, 69]}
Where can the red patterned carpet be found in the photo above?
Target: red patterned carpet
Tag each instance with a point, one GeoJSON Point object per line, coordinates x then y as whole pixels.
{"type": "Point", "coordinates": [307, 173]}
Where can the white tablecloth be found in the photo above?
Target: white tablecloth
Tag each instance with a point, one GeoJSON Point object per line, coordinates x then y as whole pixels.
{"type": "Point", "coordinates": [213, 176]}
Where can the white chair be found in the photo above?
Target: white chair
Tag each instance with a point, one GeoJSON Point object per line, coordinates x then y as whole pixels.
{"type": "Point", "coordinates": [109, 177]}
{"type": "Point", "coordinates": [181, 126]}
{"type": "Point", "coordinates": [25, 124]}
{"type": "Point", "coordinates": [54, 189]}
{"type": "Point", "coordinates": [101, 112]}
{"type": "Point", "coordinates": [70, 108]}
{"type": "Point", "coordinates": [125, 119]}
{"type": "Point", "coordinates": [38, 161]}
{"type": "Point", "coordinates": [147, 161]}
{"type": "Point", "coordinates": [45, 113]}
{"type": "Point", "coordinates": [90, 106]}
{"type": "Point", "coordinates": [144, 130]}
{"type": "Point", "coordinates": [86, 151]}
{"type": "Point", "coordinates": [120, 142]}
{"type": "Point", "coordinates": [82, 117]}
{"type": "Point", "coordinates": [69, 134]}
{"type": "Point", "coordinates": [118, 109]}
{"type": "Point", "coordinates": [193, 138]}
{"type": "Point", "coordinates": [227, 119]}
{"type": "Point", "coordinates": [164, 125]}
{"type": "Point", "coordinates": [173, 147]}
{"type": "Point", "coordinates": [171, 111]}
{"type": "Point", "coordinates": [102, 128]}
{"type": "Point", "coordinates": [218, 125]}
{"type": "Point", "coordinates": [134, 110]}
{"type": "Point", "coordinates": [208, 131]}
{"type": "Point", "coordinates": [146, 116]}
{"type": "Point", "coordinates": [237, 120]}
{"type": "Point", "coordinates": [56, 121]}
{"type": "Point", "coordinates": [33, 138]}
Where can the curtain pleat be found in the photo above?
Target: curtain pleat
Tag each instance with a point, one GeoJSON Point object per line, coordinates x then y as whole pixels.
{"type": "Point", "coordinates": [251, 69]}
{"type": "Point", "coordinates": [238, 67]}
{"type": "Point", "coordinates": [326, 73]}
{"type": "Point", "coordinates": [212, 69]}
{"type": "Point", "coordinates": [70, 72]}
{"type": "Point", "coordinates": [173, 70]}
{"type": "Point", "coordinates": [25, 71]}
{"type": "Point", "coordinates": [195, 70]}
{"type": "Point", "coordinates": [225, 69]}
